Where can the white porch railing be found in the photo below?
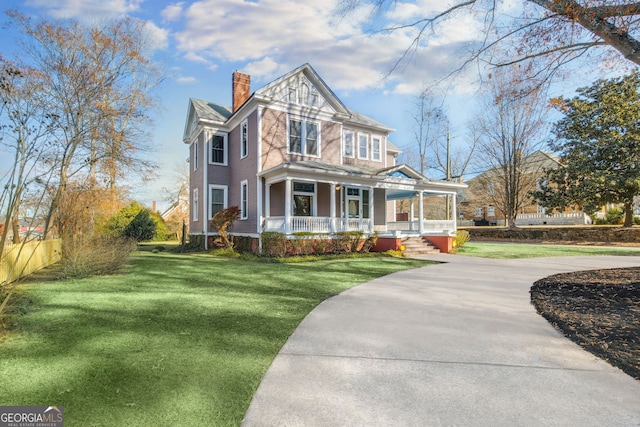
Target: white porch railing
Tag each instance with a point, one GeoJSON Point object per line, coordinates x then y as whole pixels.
{"type": "Point", "coordinates": [316, 224]}
{"type": "Point", "coordinates": [428, 226]}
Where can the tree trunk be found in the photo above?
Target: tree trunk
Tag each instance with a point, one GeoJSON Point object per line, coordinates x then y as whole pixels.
{"type": "Point", "coordinates": [628, 215]}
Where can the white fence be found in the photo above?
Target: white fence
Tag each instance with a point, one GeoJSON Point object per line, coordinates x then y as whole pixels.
{"type": "Point", "coordinates": [569, 218]}
{"type": "Point", "coordinates": [23, 259]}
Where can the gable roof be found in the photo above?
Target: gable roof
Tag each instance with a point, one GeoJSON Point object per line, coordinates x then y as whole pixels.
{"type": "Point", "coordinates": [219, 114]}
{"type": "Point", "coordinates": [314, 78]}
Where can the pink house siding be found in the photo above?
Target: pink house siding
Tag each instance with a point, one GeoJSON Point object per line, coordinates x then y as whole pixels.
{"type": "Point", "coordinates": [244, 169]}
{"type": "Point", "coordinates": [196, 181]}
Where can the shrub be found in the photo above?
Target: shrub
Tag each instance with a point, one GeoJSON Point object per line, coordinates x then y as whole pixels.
{"type": "Point", "coordinates": [348, 241]}
{"type": "Point", "coordinates": [274, 244]}
{"type": "Point", "coordinates": [221, 222]}
{"type": "Point", "coordinates": [133, 221]}
{"type": "Point", "coordinates": [461, 239]}
{"type": "Point", "coordinates": [614, 216]}
{"type": "Point", "coordinates": [95, 257]}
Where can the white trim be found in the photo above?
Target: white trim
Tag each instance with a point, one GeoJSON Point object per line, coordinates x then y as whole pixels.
{"type": "Point", "coordinates": [195, 203]}
{"type": "Point", "coordinates": [303, 136]}
{"type": "Point", "coordinates": [244, 213]}
{"type": "Point", "coordinates": [353, 142]}
{"type": "Point", "coordinates": [225, 203]}
{"type": "Point", "coordinates": [366, 146]}
{"type": "Point", "coordinates": [259, 187]}
{"type": "Point", "coordinates": [225, 144]}
{"type": "Point", "coordinates": [244, 138]}
{"type": "Point", "coordinates": [373, 151]}
{"type": "Point", "coordinates": [314, 200]}
{"type": "Point", "coordinates": [195, 154]}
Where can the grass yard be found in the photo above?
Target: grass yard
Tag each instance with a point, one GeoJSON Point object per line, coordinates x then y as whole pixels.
{"type": "Point", "coordinates": [179, 340]}
{"type": "Point", "coordinates": [526, 250]}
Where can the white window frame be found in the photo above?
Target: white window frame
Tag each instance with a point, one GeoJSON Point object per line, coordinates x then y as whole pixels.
{"type": "Point", "coordinates": [314, 195]}
{"type": "Point", "coordinates": [491, 210]}
{"type": "Point", "coordinates": [195, 204]}
{"type": "Point", "coordinates": [303, 136]}
{"type": "Point", "coordinates": [479, 212]}
{"type": "Point", "coordinates": [376, 154]}
{"type": "Point", "coordinates": [353, 143]}
{"type": "Point", "coordinates": [244, 199]}
{"type": "Point", "coordinates": [244, 139]}
{"type": "Point", "coordinates": [225, 145]}
{"type": "Point", "coordinates": [195, 155]}
{"type": "Point", "coordinates": [225, 204]}
{"type": "Point", "coordinates": [366, 146]}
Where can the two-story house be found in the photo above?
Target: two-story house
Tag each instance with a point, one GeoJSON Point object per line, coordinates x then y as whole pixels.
{"type": "Point", "coordinates": [294, 158]}
{"type": "Point", "coordinates": [485, 197]}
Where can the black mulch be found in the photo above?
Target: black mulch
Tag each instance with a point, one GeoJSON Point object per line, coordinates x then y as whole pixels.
{"type": "Point", "coordinates": [599, 310]}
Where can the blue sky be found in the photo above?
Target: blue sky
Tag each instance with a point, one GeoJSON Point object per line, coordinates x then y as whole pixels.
{"type": "Point", "coordinates": [200, 43]}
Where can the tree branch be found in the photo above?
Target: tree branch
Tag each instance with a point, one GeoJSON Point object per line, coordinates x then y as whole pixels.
{"type": "Point", "coordinates": [597, 24]}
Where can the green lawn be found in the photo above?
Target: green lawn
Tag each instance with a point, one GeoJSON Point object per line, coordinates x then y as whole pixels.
{"type": "Point", "coordinates": [510, 250]}
{"type": "Point", "coordinates": [179, 340]}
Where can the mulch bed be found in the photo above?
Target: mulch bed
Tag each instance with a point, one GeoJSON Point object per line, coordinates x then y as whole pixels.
{"type": "Point", "coordinates": [598, 310]}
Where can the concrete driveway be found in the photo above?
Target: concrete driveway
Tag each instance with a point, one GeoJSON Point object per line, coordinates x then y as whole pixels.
{"type": "Point", "coordinates": [455, 344]}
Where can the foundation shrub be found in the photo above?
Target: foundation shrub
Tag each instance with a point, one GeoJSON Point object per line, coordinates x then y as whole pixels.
{"type": "Point", "coordinates": [274, 244]}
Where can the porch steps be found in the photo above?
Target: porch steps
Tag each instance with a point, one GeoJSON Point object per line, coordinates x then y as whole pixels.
{"type": "Point", "coordinates": [418, 246]}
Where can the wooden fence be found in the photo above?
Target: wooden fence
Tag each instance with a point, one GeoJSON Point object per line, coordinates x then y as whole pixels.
{"type": "Point", "coordinates": [23, 259]}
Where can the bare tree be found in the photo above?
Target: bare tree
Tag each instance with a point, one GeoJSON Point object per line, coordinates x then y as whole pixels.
{"type": "Point", "coordinates": [509, 129]}
{"type": "Point", "coordinates": [25, 132]}
{"type": "Point", "coordinates": [97, 82]}
{"type": "Point", "coordinates": [557, 30]}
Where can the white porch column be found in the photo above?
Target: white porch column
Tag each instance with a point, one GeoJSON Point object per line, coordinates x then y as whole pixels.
{"type": "Point", "coordinates": [267, 201]}
{"type": "Point", "coordinates": [371, 199]}
{"type": "Point", "coordinates": [287, 206]}
{"type": "Point", "coordinates": [420, 213]}
{"type": "Point", "coordinates": [332, 207]}
{"type": "Point", "coordinates": [454, 213]}
{"type": "Point", "coordinates": [411, 213]}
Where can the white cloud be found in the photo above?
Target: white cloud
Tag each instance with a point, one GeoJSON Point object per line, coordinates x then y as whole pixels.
{"type": "Point", "coordinates": [272, 40]}
{"type": "Point", "coordinates": [173, 12]}
{"type": "Point", "coordinates": [86, 9]}
{"type": "Point", "coordinates": [187, 80]}
{"type": "Point", "coordinates": [159, 37]}
{"type": "Point", "coordinates": [191, 56]}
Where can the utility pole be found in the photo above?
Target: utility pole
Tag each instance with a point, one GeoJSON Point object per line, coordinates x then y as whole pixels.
{"type": "Point", "coordinates": [448, 171]}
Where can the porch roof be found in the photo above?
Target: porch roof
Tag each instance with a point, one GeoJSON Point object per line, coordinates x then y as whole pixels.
{"type": "Point", "coordinates": [399, 177]}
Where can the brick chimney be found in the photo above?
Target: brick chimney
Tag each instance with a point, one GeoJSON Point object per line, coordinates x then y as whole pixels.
{"type": "Point", "coordinates": [241, 89]}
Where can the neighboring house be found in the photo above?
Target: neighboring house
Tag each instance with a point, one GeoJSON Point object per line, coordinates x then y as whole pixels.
{"type": "Point", "coordinates": [482, 198]}
{"type": "Point", "coordinates": [175, 216]}
{"type": "Point", "coordinates": [294, 158]}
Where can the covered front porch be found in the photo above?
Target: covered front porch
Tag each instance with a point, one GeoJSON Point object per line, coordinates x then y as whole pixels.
{"type": "Point", "coordinates": [325, 200]}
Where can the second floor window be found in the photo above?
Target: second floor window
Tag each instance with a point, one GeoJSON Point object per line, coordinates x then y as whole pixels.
{"type": "Point", "coordinates": [304, 137]}
{"type": "Point", "coordinates": [244, 139]}
{"type": "Point", "coordinates": [363, 146]}
{"type": "Point", "coordinates": [375, 148]}
{"type": "Point", "coordinates": [347, 144]}
{"type": "Point", "coordinates": [218, 149]}
{"type": "Point", "coordinates": [195, 156]}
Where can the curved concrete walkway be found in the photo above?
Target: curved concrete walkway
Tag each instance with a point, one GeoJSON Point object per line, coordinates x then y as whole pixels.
{"type": "Point", "coordinates": [455, 344]}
